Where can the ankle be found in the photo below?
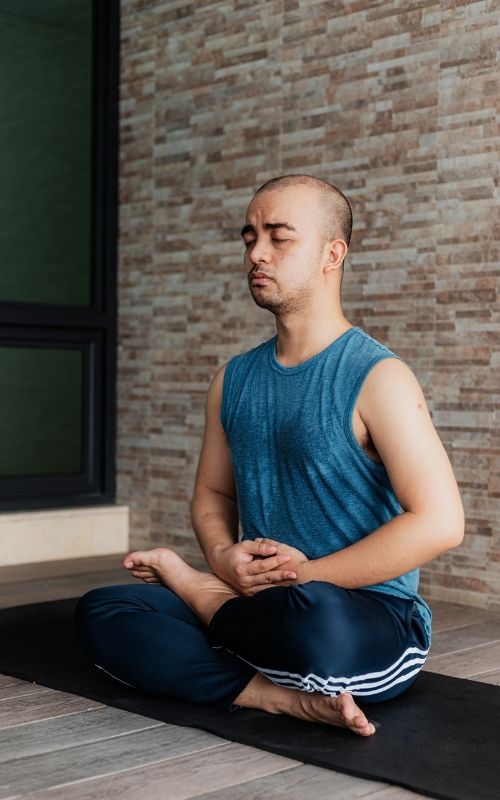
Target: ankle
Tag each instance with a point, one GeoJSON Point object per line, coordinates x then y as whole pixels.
{"type": "Point", "coordinates": [261, 693]}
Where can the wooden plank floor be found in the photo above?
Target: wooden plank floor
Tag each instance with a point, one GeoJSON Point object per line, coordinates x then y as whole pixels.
{"type": "Point", "coordinates": [55, 745]}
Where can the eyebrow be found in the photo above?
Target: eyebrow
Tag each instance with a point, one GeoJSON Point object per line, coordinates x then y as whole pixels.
{"type": "Point", "coordinates": [268, 226]}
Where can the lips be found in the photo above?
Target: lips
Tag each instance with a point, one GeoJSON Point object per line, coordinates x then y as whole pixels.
{"type": "Point", "coordinates": [257, 277]}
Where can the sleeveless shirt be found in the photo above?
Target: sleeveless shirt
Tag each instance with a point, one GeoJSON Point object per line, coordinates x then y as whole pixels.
{"type": "Point", "coordinates": [301, 476]}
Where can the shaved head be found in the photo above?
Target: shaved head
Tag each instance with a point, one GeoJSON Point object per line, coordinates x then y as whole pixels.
{"type": "Point", "coordinates": [335, 212]}
{"type": "Point", "coordinates": [296, 235]}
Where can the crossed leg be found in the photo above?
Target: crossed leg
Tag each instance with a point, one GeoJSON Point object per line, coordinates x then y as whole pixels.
{"type": "Point", "coordinates": [205, 593]}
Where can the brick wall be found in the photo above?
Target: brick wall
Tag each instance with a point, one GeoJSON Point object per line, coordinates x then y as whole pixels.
{"type": "Point", "coordinates": [394, 102]}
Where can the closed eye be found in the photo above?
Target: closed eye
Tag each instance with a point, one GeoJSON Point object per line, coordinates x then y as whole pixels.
{"type": "Point", "coordinates": [277, 241]}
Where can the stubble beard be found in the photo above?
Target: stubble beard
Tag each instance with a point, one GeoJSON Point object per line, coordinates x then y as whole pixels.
{"type": "Point", "coordinates": [298, 300]}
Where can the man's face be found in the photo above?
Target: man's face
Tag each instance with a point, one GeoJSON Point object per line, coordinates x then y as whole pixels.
{"type": "Point", "coordinates": [283, 242]}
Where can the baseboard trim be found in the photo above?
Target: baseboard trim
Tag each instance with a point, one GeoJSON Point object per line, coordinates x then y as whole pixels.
{"type": "Point", "coordinates": [29, 537]}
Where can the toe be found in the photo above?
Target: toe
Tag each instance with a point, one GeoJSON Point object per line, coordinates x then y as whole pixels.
{"type": "Point", "coordinates": [367, 730]}
{"type": "Point", "coordinates": [136, 559]}
{"type": "Point", "coordinates": [352, 715]}
{"type": "Point", "coordinates": [361, 725]}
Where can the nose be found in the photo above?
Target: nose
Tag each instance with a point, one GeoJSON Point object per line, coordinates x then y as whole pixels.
{"type": "Point", "coordinates": [259, 251]}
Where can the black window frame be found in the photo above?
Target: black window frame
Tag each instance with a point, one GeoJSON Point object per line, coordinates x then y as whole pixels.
{"type": "Point", "coordinates": [92, 328]}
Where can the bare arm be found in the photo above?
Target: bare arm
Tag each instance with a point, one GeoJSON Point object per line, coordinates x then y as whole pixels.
{"type": "Point", "coordinates": [214, 511]}
{"type": "Point", "coordinates": [395, 412]}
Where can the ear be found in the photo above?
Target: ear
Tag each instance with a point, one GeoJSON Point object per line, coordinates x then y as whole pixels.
{"type": "Point", "coordinates": [337, 250]}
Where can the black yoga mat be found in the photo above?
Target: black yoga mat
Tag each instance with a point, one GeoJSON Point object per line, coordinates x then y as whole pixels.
{"type": "Point", "coordinates": [440, 738]}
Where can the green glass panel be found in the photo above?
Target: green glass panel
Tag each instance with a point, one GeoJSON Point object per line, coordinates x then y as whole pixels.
{"type": "Point", "coordinates": [40, 411]}
{"type": "Point", "coordinates": [45, 150]}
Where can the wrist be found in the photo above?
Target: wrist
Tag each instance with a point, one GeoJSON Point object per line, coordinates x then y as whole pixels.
{"type": "Point", "coordinates": [304, 572]}
{"type": "Point", "coordinates": [215, 553]}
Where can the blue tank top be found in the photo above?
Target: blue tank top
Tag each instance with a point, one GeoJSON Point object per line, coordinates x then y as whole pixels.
{"type": "Point", "coordinates": [301, 476]}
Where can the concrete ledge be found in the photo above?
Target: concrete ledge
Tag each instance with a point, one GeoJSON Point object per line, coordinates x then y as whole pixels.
{"type": "Point", "coordinates": [28, 537]}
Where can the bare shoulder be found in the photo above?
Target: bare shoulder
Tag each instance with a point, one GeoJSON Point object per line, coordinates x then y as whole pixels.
{"type": "Point", "coordinates": [395, 412]}
{"type": "Point", "coordinates": [214, 394]}
{"type": "Point", "coordinates": [391, 383]}
{"type": "Point", "coordinates": [219, 374]}
{"type": "Point", "coordinates": [214, 470]}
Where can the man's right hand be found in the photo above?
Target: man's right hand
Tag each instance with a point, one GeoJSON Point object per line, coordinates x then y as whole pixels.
{"type": "Point", "coordinates": [247, 564]}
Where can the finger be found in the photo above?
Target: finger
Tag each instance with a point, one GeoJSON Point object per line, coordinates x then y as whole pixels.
{"type": "Point", "coordinates": [270, 543]}
{"type": "Point", "coordinates": [258, 588]}
{"type": "Point", "coordinates": [267, 564]}
{"type": "Point", "coordinates": [259, 548]}
{"type": "Point", "coordinates": [275, 576]}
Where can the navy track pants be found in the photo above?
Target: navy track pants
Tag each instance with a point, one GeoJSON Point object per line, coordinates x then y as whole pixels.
{"type": "Point", "coordinates": [313, 636]}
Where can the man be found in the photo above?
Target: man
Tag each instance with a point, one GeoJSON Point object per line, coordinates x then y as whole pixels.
{"type": "Point", "coordinates": [320, 441]}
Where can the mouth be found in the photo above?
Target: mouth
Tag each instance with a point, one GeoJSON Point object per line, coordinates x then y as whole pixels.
{"type": "Point", "coordinates": [259, 280]}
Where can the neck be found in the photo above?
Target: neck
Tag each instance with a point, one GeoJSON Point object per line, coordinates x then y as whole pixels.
{"type": "Point", "coordinates": [301, 337]}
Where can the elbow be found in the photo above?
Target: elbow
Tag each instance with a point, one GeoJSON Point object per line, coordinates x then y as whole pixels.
{"type": "Point", "coordinates": [445, 532]}
{"type": "Point", "coordinates": [455, 540]}
{"type": "Point", "coordinates": [454, 531]}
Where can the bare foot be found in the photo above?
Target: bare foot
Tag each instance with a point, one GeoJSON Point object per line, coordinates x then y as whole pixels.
{"type": "Point", "coordinates": [204, 592]}
{"type": "Point", "coordinates": [341, 711]}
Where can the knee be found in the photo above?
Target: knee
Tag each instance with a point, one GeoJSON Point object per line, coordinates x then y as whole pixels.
{"type": "Point", "coordinates": [316, 600]}
{"type": "Point", "coordinates": [320, 613]}
{"type": "Point", "coordinates": [95, 606]}
{"type": "Point", "coordinates": [93, 599]}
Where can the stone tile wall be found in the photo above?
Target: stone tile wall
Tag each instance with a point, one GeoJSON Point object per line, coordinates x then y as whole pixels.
{"type": "Point", "coordinates": [397, 103]}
